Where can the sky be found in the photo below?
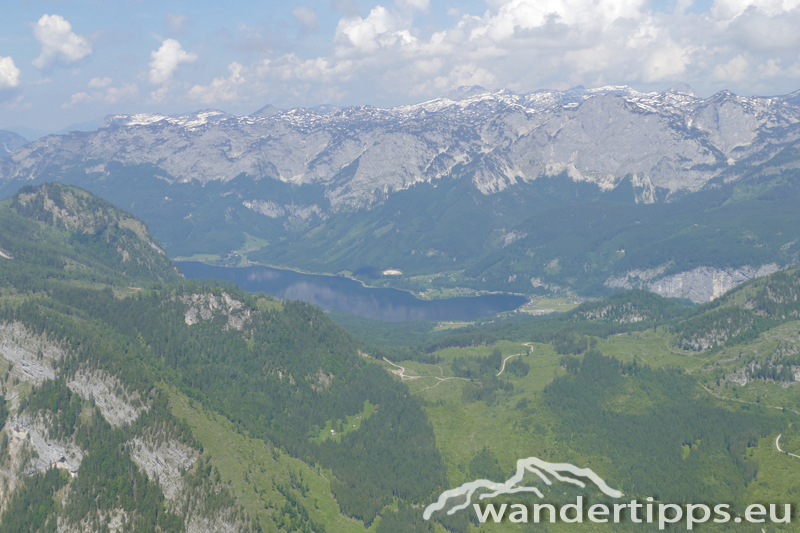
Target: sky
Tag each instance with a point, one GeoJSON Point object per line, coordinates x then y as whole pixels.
{"type": "Point", "coordinates": [64, 62]}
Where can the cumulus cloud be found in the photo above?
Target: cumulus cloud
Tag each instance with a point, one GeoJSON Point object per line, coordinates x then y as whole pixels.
{"type": "Point", "coordinates": [736, 69]}
{"type": "Point", "coordinates": [306, 17]}
{"type": "Point", "coordinates": [221, 89]}
{"type": "Point", "coordinates": [104, 93]}
{"type": "Point", "coordinates": [729, 9]}
{"type": "Point", "coordinates": [381, 29]}
{"type": "Point", "coordinates": [58, 42]}
{"type": "Point", "coordinates": [166, 59]}
{"type": "Point", "coordinates": [99, 83]}
{"type": "Point", "coordinates": [390, 53]}
{"type": "Point", "coordinates": [9, 73]}
{"type": "Point", "coordinates": [420, 5]}
{"type": "Point", "coordinates": [291, 67]}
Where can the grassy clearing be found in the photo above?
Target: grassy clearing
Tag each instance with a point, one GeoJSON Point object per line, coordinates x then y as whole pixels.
{"type": "Point", "coordinates": [451, 325]}
{"type": "Point", "coordinates": [252, 468]}
{"type": "Point", "coordinates": [252, 243]}
{"type": "Point", "coordinates": [778, 478]}
{"type": "Point", "coordinates": [353, 424]}
{"type": "Point", "coordinates": [655, 348]}
{"type": "Point", "coordinates": [203, 258]}
{"type": "Point", "coordinates": [543, 306]}
{"type": "Point", "coordinates": [508, 429]}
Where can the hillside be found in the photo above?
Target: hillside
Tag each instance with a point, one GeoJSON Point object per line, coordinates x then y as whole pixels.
{"type": "Point", "coordinates": [10, 141]}
{"type": "Point", "coordinates": [588, 190]}
{"type": "Point", "coordinates": [55, 232]}
{"type": "Point", "coordinates": [96, 375]}
{"type": "Point", "coordinates": [612, 386]}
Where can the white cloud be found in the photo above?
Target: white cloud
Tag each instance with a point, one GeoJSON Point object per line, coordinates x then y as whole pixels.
{"type": "Point", "coordinates": [9, 73]}
{"type": "Point", "coordinates": [460, 75]}
{"type": "Point", "coordinates": [306, 17]}
{"type": "Point", "coordinates": [728, 9]}
{"type": "Point", "coordinates": [291, 67]}
{"type": "Point", "coordinates": [19, 103]}
{"type": "Point", "coordinates": [220, 89]}
{"type": "Point", "coordinates": [381, 29]}
{"type": "Point", "coordinates": [419, 5]}
{"type": "Point", "coordinates": [159, 94]}
{"type": "Point", "coordinates": [770, 69]}
{"type": "Point", "coordinates": [734, 70]}
{"type": "Point", "coordinates": [175, 21]}
{"type": "Point", "coordinates": [166, 59]}
{"type": "Point", "coordinates": [58, 42]}
{"type": "Point", "coordinates": [111, 95]}
{"type": "Point", "coordinates": [667, 62]}
{"type": "Point", "coordinates": [99, 83]}
{"type": "Point", "coordinates": [389, 53]}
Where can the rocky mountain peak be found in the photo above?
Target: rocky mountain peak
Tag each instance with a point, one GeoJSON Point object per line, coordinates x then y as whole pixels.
{"type": "Point", "coordinates": [682, 88]}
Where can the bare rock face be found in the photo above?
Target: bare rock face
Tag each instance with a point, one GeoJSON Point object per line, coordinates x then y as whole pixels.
{"type": "Point", "coordinates": [44, 452]}
{"type": "Point", "coordinates": [116, 405]}
{"type": "Point", "coordinates": [31, 355]}
{"type": "Point", "coordinates": [205, 306]}
{"type": "Point", "coordinates": [114, 521]}
{"type": "Point", "coordinates": [672, 140]}
{"type": "Point", "coordinates": [166, 462]}
{"type": "Point", "coordinates": [10, 141]}
{"type": "Point", "coordinates": [700, 285]}
{"type": "Point", "coordinates": [200, 524]}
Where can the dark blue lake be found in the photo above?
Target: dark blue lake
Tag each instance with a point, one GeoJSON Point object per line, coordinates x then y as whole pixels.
{"type": "Point", "coordinates": [343, 294]}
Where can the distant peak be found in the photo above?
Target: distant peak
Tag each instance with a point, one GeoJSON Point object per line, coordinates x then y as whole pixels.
{"type": "Point", "coordinates": [325, 109]}
{"type": "Point", "coordinates": [463, 92]}
{"type": "Point", "coordinates": [682, 88]}
{"type": "Point", "coordinates": [266, 111]}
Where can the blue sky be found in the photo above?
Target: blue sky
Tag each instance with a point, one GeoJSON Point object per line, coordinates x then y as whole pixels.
{"type": "Point", "coordinates": [64, 61]}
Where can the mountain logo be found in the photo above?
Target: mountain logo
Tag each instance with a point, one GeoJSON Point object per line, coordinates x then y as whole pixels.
{"type": "Point", "coordinates": [564, 472]}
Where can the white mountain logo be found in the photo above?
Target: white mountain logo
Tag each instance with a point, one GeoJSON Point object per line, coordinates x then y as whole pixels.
{"type": "Point", "coordinates": [559, 471]}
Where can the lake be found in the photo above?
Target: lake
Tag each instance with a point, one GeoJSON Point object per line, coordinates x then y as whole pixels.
{"type": "Point", "coordinates": [339, 293]}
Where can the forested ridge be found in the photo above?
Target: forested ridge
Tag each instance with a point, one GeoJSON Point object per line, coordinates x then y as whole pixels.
{"type": "Point", "coordinates": [56, 233]}
{"type": "Point", "coordinates": [281, 370]}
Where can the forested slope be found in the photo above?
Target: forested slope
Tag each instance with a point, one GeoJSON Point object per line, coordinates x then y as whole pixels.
{"type": "Point", "coordinates": [94, 367]}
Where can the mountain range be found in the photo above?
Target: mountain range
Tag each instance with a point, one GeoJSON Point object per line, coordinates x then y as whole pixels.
{"type": "Point", "coordinates": [468, 187]}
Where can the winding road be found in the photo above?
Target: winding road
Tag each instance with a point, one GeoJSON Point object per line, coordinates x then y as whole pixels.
{"type": "Point", "coordinates": [403, 376]}
{"type": "Point", "coordinates": [778, 445]}
{"type": "Point", "coordinates": [402, 372]}
{"type": "Point", "coordinates": [528, 344]}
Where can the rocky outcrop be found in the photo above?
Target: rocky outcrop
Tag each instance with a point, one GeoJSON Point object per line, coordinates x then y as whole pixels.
{"type": "Point", "coordinates": [31, 355]}
{"type": "Point", "coordinates": [205, 306]}
{"type": "Point", "coordinates": [700, 285]}
{"type": "Point", "coordinates": [117, 406]}
{"type": "Point", "coordinates": [10, 141]}
{"type": "Point", "coordinates": [44, 452]}
{"type": "Point", "coordinates": [165, 461]}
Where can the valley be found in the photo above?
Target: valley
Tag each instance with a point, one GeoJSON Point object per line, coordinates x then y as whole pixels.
{"type": "Point", "coordinates": [649, 334]}
{"type": "Point", "coordinates": [495, 191]}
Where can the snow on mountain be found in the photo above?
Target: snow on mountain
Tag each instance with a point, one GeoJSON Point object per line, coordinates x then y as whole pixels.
{"type": "Point", "coordinates": [673, 140]}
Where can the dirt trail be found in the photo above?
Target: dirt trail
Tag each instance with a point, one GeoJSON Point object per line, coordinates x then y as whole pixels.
{"type": "Point", "coordinates": [510, 356]}
{"type": "Point", "coordinates": [778, 445]}
{"type": "Point", "coordinates": [401, 372]}
{"type": "Point", "coordinates": [402, 375]}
